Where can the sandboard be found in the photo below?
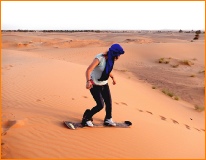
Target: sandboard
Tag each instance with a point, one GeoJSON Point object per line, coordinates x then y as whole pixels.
{"type": "Point", "coordinates": [73, 125]}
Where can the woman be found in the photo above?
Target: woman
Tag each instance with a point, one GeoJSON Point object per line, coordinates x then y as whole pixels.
{"type": "Point", "coordinates": [97, 75]}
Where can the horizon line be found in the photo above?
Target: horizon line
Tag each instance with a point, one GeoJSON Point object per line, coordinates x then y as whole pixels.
{"type": "Point", "coordinates": [101, 29]}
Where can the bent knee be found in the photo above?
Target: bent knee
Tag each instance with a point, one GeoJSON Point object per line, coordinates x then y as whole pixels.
{"type": "Point", "coordinates": [100, 106]}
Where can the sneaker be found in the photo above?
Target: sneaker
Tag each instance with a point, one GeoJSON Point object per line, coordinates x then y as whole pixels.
{"type": "Point", "coordinates": [89, 124]}
{"type": "Point", "coordinates": [84, 119]}
{"type": "Point", "coordinates": [109, 122]}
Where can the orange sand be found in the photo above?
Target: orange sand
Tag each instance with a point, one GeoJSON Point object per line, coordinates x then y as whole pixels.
{"type": "Point", "coordinates": [43, 84]}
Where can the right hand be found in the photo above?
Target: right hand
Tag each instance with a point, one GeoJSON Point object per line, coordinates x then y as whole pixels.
{"type": "Point", "coordinates": [89, 85]}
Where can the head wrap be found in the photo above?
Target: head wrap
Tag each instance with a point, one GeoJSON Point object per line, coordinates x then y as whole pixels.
{"type": "Point", "coordinates": [114, 51]}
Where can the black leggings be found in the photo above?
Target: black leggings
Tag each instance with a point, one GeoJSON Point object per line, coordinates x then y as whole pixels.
{"type": "Point", "coordinates": [101, 95]}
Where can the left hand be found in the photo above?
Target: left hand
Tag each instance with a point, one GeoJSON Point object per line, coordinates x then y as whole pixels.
{"type": "Point", "coordinates": [114, 82]}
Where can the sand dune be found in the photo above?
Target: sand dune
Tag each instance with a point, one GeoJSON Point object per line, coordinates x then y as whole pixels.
{"type": "Point", "coordinates": [43, 84]}
{"type": "Point", "coordinates": [139, 41]}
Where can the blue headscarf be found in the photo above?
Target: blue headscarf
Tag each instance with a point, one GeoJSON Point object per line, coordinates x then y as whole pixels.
{"type": "Point", "coordinates": [114, 51]}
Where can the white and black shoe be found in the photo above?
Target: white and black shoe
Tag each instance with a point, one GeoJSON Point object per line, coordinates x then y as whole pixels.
{"type": "Point", "coordinates": [89, 123]}
{"type": "Point", "coordinates": [86, 121]}
{"type": "Point", "coordinates": [109, 122]}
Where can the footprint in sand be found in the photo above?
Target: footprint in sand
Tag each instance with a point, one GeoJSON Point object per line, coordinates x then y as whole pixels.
{"type": "Point", "coordinates": [124, 103]}
{"type": "Point", "coordinates": [7, 67]}
{"type": "Point", "coordinates": [140, 110]}
{"type": "Point", "coordinates": [149, 112]}
{"type": "Point", "coordinates": [174, 121]}
{"type": "Point", "coordinates": [163, 118]}
{"type": "Point", "coordinates": [188, 127]}
{"type": "Point", "coordinates": [197, 129]}
{"type": "Point", "coordinates": [38, 100]}
{"type": "Point", "coordinates": [3, 133]}
{"type": "Point", "coordinates": [4, 149]}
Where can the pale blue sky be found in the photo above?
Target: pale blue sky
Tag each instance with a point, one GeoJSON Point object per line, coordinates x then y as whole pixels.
{"type": "Point", "coordinates": [68, 15]}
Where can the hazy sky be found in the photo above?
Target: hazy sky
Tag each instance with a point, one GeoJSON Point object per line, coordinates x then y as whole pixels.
{"type": "Point", "coordinates": [68, 15]}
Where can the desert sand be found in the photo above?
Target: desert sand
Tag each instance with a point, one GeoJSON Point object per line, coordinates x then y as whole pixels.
{"type": "Point", "coordinates": [43, 84]}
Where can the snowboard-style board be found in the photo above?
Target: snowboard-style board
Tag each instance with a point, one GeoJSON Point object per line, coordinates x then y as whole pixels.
{"type": "Point", "coordinates": [72, 125]}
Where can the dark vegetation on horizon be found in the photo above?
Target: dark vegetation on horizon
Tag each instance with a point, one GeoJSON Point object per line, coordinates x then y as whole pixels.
{"type": "Point", "coordinates": [197, 34]}
{"type": "Point", "coordinates": [98, 31]}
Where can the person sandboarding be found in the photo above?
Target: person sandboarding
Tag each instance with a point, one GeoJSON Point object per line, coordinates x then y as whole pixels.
{"type": "Point", "coordinates": [97, 75]}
